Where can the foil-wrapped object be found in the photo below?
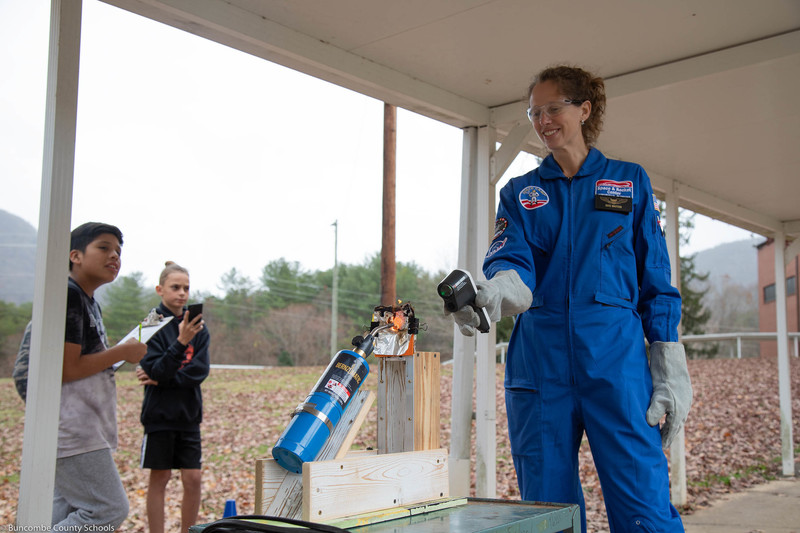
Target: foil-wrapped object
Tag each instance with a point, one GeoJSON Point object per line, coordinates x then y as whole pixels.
{"type": "Point", "coordinates": [399, 338]}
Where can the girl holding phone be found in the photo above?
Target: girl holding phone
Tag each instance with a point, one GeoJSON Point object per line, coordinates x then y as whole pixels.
{"type": "Point", "coordinates": [171, 372]}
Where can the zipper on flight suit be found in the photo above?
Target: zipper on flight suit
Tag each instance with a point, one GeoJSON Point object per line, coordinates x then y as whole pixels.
{"type": "Point", "coordinates": [570, 248]}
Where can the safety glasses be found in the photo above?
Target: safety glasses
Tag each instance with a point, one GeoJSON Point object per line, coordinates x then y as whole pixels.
{"type": "Point", "coordinates": [552, 109]}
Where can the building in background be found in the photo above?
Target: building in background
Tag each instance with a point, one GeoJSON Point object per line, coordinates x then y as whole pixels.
{"type": "Point", "coordinates": [767, 319]}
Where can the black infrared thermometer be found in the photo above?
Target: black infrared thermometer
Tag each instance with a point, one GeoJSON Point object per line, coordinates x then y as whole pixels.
{"type": "Point", "coordinates": [457, 290]}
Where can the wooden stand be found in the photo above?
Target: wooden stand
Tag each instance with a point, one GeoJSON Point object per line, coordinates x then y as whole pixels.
{"type": "Point", "coordinates": [409, 467]}
{"type": "Point", "coordinates": [408, 403]}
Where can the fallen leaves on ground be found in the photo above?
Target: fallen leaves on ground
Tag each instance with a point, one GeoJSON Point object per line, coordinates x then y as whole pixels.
{"type": "Point", "coordinates": [732, 436]}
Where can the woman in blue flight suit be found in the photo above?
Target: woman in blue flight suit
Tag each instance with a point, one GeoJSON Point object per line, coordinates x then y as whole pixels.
{"type": "Point", "coordinates": [578, 252]}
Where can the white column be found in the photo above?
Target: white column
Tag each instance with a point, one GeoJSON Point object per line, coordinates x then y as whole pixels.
{"type": "Point", "coordinates": [784, 385]}
{"type": "Point", "coordinates": [463, 347]}
{"type": "Point", "coordinates": [486, 384]}
{"type": "Point", "coordinates": [37, 475]}
{"type": "Point", "coordinates": [677, 451]}
{"type": "Point", "coordinates": [474, 231]}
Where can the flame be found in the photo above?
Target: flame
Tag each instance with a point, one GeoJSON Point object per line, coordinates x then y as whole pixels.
{"type": "Point", "coordinates": [398, 321]}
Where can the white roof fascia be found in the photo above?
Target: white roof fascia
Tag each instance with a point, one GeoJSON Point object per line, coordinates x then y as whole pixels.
{"type": "Point", "coordinates": [269, 40]}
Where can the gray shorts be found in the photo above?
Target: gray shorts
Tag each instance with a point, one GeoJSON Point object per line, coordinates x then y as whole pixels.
{"type": "Point", "coordinates": [88, 491]}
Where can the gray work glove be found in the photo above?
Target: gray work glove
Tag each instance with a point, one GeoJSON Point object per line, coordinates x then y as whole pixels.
{"type": "Point", "coordinates": [672, 389]}
{"type": "Point", "coordinates": [503, 295]}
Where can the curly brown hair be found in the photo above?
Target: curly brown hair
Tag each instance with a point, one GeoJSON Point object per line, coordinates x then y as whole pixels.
{"type": "Point", "coordinates": [578, 84]}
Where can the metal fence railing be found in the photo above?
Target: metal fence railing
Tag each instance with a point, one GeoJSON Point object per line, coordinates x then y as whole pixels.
{"type": "Point", "coordinates": [735, 339]}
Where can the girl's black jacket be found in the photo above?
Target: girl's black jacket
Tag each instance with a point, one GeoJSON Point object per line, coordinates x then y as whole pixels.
{"type": "Point", "coordinates": [176, 403]}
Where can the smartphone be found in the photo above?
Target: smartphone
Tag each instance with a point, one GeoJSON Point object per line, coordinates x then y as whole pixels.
{"type": "Point", "coordinates": [194, 310]}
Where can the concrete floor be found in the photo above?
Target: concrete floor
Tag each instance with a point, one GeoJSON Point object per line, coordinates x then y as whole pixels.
{"type": "Point", "coordinates": [773, 507]}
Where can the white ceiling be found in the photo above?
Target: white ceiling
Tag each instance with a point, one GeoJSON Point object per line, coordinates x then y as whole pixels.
{"type": "Point", "coordinates": [702, 93]}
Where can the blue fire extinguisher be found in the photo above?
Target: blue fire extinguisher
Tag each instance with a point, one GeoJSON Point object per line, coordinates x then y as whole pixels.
{"type": "Point", "coordinates": [314, 419]}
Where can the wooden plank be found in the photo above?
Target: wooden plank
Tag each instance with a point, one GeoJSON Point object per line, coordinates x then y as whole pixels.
{"type": "Point", "coordinates": [287, 500]}
{"type": "Point", "coordinates": [397, 512]}
{"type": "Point", "coordinates": [352, 486]}
{"type": "Point", "coordinates": [279, 492]}
{"type": "Point", "coordinates": [362, 404]}
{"type": "Point", "coordinates": [427, 394]}
{"type": "Point", "coordinates": [269, 478]}
{"type": "Point", "coordinates": [395, 405]}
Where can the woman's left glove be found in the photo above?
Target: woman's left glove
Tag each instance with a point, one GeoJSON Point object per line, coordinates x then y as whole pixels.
{"type": "Point", "coordinates": [503, 295]}
{"type": "Point", "coordinates": [672, 389]}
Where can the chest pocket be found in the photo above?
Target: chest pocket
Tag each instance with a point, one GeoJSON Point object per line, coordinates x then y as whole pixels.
{"type": "Point", "coordinates": [618, 281]}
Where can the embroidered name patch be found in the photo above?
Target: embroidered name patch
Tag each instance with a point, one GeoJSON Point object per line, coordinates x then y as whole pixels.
{"type": "Point", "coordinates": [533, 197]}
{"type": "Point", "coordinates": [610, 195]}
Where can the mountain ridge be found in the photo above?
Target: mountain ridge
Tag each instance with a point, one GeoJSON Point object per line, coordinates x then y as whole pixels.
{"type": "Point", "coordinates": [17, 258]}
{"type": "Point", "coordinates": [737, 261]}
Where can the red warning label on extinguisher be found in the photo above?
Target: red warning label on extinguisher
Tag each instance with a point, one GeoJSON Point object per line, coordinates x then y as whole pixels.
{"type": "Point", "coordinates": [338, 389]}
{"type": "Point", "coordinates": [343, 377]}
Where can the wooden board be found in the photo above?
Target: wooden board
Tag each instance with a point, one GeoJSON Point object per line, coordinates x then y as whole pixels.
{"type": "Point", "coordinates": [395, 513]}
{"type": "Point", "coordinates": [395, 404]}
{"type": "Point", "coordinates": [409, 391]}
{"type": "Point", "coordinates": [352, 486]}
{"type": "Point", "coordinates": [427, 395]}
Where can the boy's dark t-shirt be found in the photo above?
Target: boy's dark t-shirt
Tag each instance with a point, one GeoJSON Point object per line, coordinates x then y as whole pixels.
{"type": "Point", "coordinates": [88, 420]}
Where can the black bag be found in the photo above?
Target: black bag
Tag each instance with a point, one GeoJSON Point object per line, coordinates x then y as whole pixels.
{"type": "Point", "coordinates": [243, 524]}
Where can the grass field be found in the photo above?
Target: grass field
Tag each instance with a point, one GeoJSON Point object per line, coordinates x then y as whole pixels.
{"type": "Point", "coordinates": [733, 436]}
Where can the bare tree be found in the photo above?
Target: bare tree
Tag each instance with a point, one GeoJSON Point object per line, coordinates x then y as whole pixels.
{"type": "Point", "coordinates": [301, 333]}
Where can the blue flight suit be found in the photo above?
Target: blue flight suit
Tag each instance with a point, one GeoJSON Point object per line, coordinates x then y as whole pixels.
{"type": "Point", "coordinates": [592, 252]}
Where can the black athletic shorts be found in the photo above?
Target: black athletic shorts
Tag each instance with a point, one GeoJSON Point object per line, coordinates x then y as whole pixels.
{"type": "Point", "coordinates": [165, 450]}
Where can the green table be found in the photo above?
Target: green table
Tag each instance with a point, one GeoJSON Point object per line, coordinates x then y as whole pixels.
{"type": "Point", "coordinates": [484, 516]}
{"type": "Point", "coordinates": [474, 515]}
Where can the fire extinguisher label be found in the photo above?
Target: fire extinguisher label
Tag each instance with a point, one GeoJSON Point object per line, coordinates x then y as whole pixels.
{"type": "Point", "coordinates": [343, 377]}
{"type": "Point", "coordinates": [338, 389]}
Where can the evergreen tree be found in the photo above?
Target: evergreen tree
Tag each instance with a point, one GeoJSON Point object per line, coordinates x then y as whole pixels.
{"type": "Point", "coordinates": [360, 290]}
{"type": "Point", "coordinates": [236, 310]}
{"type": "Point", "coordinates": [127, 303]}
{"type": "Point", "coordinates": [286, 283]}
{"type": "Point", "coordinates": [694, 286]}
{"type": "Point", "coordinates": [13, 319]}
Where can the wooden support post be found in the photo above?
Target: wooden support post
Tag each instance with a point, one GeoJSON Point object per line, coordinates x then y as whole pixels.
{"type": "Point", "coordinates": [427, 396]}
{"type": "Point", "coordinates": [395, 404]}
{"type": "Point", "coordinates": [388, 264]}
{"type": "Point", "coordinates": [408, 403]}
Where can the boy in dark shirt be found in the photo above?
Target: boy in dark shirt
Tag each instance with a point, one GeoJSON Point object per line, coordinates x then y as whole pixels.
{"type": "Point", "coordinates": [88, 489]}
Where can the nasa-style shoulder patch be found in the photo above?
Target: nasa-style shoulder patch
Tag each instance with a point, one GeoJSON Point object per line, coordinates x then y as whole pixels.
{"type": "Point", "coordinates": [500, 226]}
{"type": "Point", "coordinates": [533, 197]}
{"type": "Point", "coordinates": [496, 247]}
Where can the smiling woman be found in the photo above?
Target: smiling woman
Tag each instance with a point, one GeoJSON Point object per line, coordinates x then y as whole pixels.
{"type": "Point", "coordinates": [579, 259]}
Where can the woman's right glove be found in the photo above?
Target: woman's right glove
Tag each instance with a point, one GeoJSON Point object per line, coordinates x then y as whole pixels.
{"type": "Point", "coordinates": [503, 295]}
{"type": "Point", "coordinates": [672, 389]}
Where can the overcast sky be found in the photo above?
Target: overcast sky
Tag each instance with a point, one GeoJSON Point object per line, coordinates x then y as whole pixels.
{"type": "Point", "coordinates": [215, 159]}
